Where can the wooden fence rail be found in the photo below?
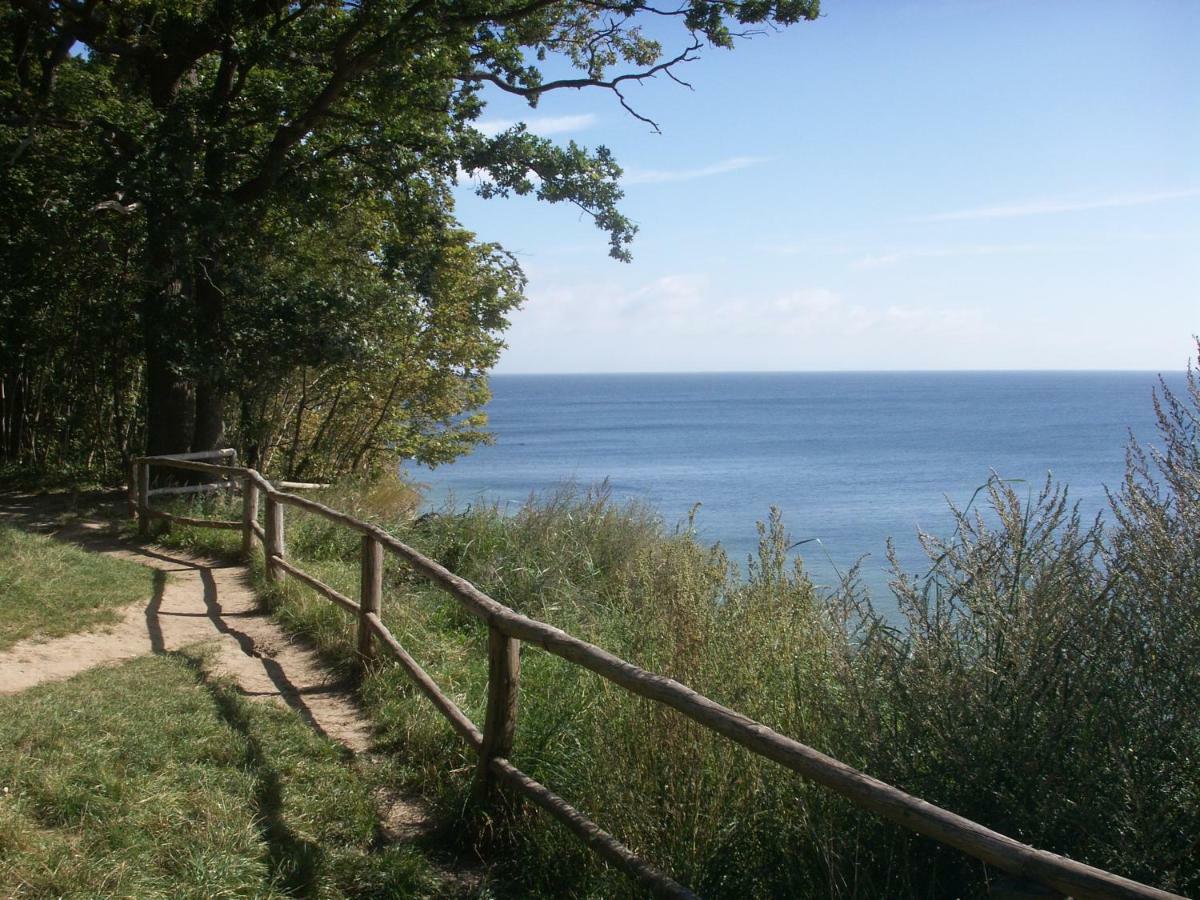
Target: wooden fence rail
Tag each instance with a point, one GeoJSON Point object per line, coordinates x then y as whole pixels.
{"type": "Point", "coordinates": [507, 629]}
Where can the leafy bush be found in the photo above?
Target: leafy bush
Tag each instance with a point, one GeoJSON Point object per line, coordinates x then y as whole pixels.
{"type": "Point", "coordinates": [1046, 678]}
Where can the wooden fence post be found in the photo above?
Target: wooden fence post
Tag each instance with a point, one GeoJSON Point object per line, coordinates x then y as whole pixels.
{"type": "Point", "coordinates": [143, 498]}
{"type": "Point", "coordinates": [131, 499]}
{"type": "Point", "coordinates": [370, 595]}
{"type": "Point", "coordinates": [249, 515]}
{"type": "Point", "coordinates": [275, 543]}
{"type": "Point", "coordinates": [500, 720]}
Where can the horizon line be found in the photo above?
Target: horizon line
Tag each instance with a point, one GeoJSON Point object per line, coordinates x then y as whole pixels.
{"type": "Point", "coordinates": [1031, 371]}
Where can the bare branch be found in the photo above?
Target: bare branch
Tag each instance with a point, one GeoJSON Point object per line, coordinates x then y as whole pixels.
{"type": "Point", "coordinates": [117, 206]}
{"type": "Point", "coordinates": [633, 112]}
{"type": "Point", "coordinates": [612, 84]}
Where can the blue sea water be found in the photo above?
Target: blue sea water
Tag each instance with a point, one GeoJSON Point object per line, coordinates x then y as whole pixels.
{"type": "Point", "coordinates": [849, 458]}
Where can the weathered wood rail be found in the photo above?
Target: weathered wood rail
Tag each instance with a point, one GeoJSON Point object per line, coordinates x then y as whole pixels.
{"type": "Point", "coordinates": [1031, 870]}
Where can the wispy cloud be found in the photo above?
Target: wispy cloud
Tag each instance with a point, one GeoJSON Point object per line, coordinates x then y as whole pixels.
{"type": "Point", "coordinates": [688, 305]}
{"type": "Point", "coordinates": [815, 247]}
{"type": "Point", "coordinates": [544, 125]}
{"type": "Point", "coordinates": [658, 176]}
{"type": "Point", "coordinates": [1046, 207]}
{"type": "Point", "coordinates": [880, 260]}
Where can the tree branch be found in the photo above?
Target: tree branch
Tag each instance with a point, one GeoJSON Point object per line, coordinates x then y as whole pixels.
{"type": "Point", "coordinates": [613, 84]}
{"type": "Point", "coordinates": [288, 134]}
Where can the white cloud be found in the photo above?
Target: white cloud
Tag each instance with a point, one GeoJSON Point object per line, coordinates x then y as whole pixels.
{"type": "Point", "coordinates": [685, 305]}
{"type": "Point", "coordinates": [543, 125]}
{"type": "Point", "coordinates": [1045, 207]}
{"type": "Point", "coordinates": [821, 313]}
{"type": "Point", "coordinates": [658, 176]}
{"type": "Point", "coordinates": [806, 248]}
{"type": "Point", "coordinates": [898, 256]}
{"type": "Point", "coordinates": [691, 322]}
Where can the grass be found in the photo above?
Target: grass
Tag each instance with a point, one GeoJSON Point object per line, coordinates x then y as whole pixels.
{"type": "Point", "coordinates": [49, 588]}
{"type": "Point", "coordinates": [155, 780]}
{"type": "Point", "coordinates": [1044, 684]}
{"type": "Point", "coordinates": [722, 819]}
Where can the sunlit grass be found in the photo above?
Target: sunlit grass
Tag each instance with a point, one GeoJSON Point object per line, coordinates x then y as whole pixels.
{"type": "Point", "coordinates": [49, 588]}
{"type": "Point", "coordinates": [152, 779]}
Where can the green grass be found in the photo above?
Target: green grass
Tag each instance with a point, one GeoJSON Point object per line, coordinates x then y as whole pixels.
{"type": "Point", "coordinates": [154, 780]}
{"type": "Point", "coordinates": [49, 588]}
{"type": "Point", "coordinates": [1043, 681]}
{"type": "Point", "coordinates": [701, 808]}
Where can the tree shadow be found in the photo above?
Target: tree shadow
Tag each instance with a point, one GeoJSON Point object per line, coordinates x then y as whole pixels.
{"type": "Point", "coordinates": [294, 861]}
{"type": "Point", "coordinates": [154, 610]}
{"type": "Point", "coordinates": [286, 690]}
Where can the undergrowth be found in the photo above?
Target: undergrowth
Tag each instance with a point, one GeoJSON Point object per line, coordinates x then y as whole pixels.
{"type": "Point", "coordinates": [1044, 682]}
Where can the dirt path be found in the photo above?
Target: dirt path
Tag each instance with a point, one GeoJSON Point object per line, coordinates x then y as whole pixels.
{"type": "Point", "coordinates": [199, 600]}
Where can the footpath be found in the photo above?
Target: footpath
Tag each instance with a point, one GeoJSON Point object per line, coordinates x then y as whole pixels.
{"type": "Point", "coordinates": [197, 600]}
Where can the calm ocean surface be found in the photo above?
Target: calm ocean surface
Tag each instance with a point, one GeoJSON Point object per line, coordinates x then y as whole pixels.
{"type": "Point", "coordinates": [849, 458]}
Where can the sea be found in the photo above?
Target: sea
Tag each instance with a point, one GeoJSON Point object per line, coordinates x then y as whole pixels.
{"type": "Point", "coordinates": [850, 458]}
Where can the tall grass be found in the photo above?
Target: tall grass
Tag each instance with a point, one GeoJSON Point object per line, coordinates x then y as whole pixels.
{"type": "Point", "coordinates": [1044, 682]}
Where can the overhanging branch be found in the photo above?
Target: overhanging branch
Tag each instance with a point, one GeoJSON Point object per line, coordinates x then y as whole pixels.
{"type": "Point", "coordinates": [613, 84]}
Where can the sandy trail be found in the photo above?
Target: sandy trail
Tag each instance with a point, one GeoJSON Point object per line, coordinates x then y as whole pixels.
{"type": "Point", "coordinates": [196, 600]}
{"type": "Point", "coordinates": [199, 600]}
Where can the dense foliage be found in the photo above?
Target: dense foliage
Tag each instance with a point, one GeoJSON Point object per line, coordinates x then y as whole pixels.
{"type": "Point", "coordinates": [1041, 678]}
{"type": "Point", "coordinates": [236, 218]}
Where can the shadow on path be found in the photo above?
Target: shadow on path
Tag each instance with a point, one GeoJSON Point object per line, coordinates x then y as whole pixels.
{"type": "Point", "coordinates": [287, 690]}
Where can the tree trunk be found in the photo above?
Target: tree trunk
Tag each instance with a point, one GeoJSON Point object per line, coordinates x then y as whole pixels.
{"type": "Point", "coordinates": [12, 415]}
{"type": "Point", "coordinates": [170, 402]}
{"type": "Point", "coordinates": [209, 429]}
{"type": "Point", "coordinates": [167, 332]}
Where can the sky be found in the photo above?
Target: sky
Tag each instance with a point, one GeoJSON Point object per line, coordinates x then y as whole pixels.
{"type": "Point", "coordinates": [934, 184]}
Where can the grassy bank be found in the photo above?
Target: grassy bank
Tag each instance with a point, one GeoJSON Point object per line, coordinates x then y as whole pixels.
{"type": "Point", "coordinates": [1044, 683]}
{"type": "Point", "coordinates": [190, 791]}
{"type": "Point", "coordinates": [49, 588]}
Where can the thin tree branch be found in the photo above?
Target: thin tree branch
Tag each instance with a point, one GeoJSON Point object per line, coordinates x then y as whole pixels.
{"type": "Point", "coordinates": [612, 84]}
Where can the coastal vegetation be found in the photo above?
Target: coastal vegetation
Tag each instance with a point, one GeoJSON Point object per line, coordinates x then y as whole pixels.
{"type": "Point", "coordinates": [1038, 678]}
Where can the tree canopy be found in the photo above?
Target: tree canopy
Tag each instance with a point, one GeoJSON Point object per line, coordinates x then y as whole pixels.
{"type": "Point", "coordinates": [234, 221]}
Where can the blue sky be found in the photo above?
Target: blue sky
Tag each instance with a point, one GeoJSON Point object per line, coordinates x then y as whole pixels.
{"type": "Point", "coordinates": [899, 185]}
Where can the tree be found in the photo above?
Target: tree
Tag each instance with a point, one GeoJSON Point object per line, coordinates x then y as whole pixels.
{"type": "Point", "coordinates": [234, 142]}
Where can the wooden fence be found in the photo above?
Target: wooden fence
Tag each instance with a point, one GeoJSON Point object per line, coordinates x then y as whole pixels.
{"type": "Point", "coordinates": [1031, 871]}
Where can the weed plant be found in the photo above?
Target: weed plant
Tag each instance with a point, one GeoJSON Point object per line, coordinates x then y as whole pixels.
{"type": "Point", "coordinates": [1044, 681]}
